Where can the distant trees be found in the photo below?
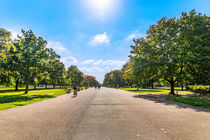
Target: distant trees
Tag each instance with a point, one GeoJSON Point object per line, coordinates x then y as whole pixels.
{"type": "Point", "coordinates": [89, 81]}
{"type": "Point", "coordinates": [114, 79]}
{"type": "Point", "coordinates": [174, 50]}
{"type": "Point", "coordinates": [28, 61]}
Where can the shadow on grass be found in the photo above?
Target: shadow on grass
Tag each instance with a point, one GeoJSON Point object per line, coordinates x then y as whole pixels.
{"type": "Point", "coordinates": [20, 98]}
{"type": "Point", "coordinates": [155, 90]}
{"type": "Point", "coordinates": [161, 99]}
{"type": "Point", "coordinates": [146, 90]}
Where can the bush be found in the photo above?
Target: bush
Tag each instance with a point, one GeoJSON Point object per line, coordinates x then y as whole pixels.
{"type": "Point", "coordinates": [200, 89]}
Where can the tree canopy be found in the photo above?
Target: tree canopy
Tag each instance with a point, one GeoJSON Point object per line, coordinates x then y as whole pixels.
{"type": "Point", "coordinates": [28, 61]}
{"type": "Point", "coordinates": [175, 50]}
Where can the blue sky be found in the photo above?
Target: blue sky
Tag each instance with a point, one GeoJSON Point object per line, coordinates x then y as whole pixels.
{"type": "Point", "coordinates": [95, 35]}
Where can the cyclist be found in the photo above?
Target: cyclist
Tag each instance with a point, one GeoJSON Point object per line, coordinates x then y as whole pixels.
{"type": "Point", "coordinates": [75, 90]}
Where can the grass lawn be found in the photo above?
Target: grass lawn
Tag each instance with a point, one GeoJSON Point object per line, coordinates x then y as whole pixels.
{"type": "Point", "coordinates": [195, 101]}
{"type": "Point", "coordinates": [160, 90]}
{"type": "Point", "coordinates": [10, 99]}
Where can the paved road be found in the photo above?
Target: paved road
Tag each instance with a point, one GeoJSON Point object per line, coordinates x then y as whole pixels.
{"type": "Point", "coordinates": [106, 114]}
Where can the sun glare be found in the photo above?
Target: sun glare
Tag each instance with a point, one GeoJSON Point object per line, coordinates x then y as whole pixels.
{"type": "Point", "coordinates": [101, 8]}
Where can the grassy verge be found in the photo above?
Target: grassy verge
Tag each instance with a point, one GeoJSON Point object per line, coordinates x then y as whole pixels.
{"type": "Point", "coordinates": [160, 90]}
{"type": "Point", "coordinates": [195, 101]}
{"type": "Point", "coordinates": [10, 99]}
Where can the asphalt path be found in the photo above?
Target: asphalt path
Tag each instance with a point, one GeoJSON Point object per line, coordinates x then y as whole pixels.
{"type": "Point", "coordinates": [105, 114]}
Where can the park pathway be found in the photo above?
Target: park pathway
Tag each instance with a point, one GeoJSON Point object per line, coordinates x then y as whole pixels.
{"type": "Point", "coordinates": [105, 114]}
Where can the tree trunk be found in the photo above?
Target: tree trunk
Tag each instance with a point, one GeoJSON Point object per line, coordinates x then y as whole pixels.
{"type": "Point", "coordinates": [187, 87]}
{"type": "Point", "coordinates": [35, 86]}
{"type": "Point", "coordinates": [26, 91]}
{"type": "Point", "coordinates": [16, 85]}
{"type": "Point", "coordinates": [152, 84]}
{"type": "Point", "coordinates": [46, 85]}
{"type": "Point", "coordinates": [53, 86]}
{"type": "Point", "coordinates": [182, 87]}
{"type": "Point", "coordinates": [172, 87]}
{"type": "Point", "coordinates": [138, 86]}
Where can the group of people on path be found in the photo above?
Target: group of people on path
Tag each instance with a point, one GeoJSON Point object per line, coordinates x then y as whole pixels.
{"type": "Point", "coordinates": [98, 86]}
{"type": "Point", "coordinates": [77, 89]}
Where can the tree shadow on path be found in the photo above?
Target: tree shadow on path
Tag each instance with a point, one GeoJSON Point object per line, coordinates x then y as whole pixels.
{"type": "Point", "coordinates": [161, 99]}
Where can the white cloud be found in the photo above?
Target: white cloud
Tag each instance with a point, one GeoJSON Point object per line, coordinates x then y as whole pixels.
{"type": "Point", "coordinates": [57, 46]}
{"type": "Point", "coordinates": [91, 69]}
{"type": "Point", "coordinates": [116, 63]}
{"type": "Point", "coordinates": [135, 35]}
{"type": "Point", "coordinates": [99, 68]}
{"type": "Point", "coordinates": [69, 61]}
{"type": "Point", "coordinates": [100, 39]}
{"type": "Point", "coordinates": [98, 62]}
{"type": "Point", "coordinates": [112, 63]}
{"type": "Point", "coordinates": [89, 61]}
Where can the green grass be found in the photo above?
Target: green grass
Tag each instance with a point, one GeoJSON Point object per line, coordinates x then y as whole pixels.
{"type": "Point", "coordinates": [2, 88]}
{"type": "Point", "coordinates": [10, 99]}
{"type": "Point", "coordinates": [195, 101]}
{"type": "Point", "coordinates": [160, 90]}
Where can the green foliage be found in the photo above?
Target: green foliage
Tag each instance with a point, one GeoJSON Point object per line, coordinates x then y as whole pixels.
{"type": "Point", "coordinates": [200, 89]}
{"type": "Point", "coordinates": [74, 76]}
{"type": "Point", "coordinates": [174, 50]}
{"type": "Point", "coordinates": [27, 61]}
{"type": "Point", "coordinates": [5, 47]}
{"type": "Point", "coordinates": [114, 79]}
{"type": "Point", "coordinates": [89, 81]}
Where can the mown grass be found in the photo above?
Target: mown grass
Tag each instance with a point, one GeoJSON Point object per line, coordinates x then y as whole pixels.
{"type": "Point", "coordinates": [10, 89]}
{"type": "Point", "coordinates": [10, 99]}
{"type": "Point", "coordinates": [160, 90]}
{"type": "Point", "coordinates": [195, 101]}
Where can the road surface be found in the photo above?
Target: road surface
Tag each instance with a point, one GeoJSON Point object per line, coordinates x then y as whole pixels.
{"type": "Point", "coordinates": [105, 114]}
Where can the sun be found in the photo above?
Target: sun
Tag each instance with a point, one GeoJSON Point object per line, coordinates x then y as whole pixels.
{"type": "Point", "coordinates": [101, 8]}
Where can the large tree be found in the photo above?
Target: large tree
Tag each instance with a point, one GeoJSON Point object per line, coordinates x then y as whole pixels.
{"type": "Point", "coordinates": [175, 50]}
{"type": "Point", "coordinates": [32, 53]}
{"type": "Point", "coordinates": [6, 46]}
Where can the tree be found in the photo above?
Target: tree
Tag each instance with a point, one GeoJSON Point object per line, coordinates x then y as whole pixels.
{"type": "Point", "coordinates": [32, 53]}
{"type": "Point", "coordinates": [195, 36]}
{"type": "Point", "coordinates": [164, 35]}
{"type": "Point", "coordinates": [56, 72]}
{"type": "Point", "coordinates": [5, 46]}
{"type": "Point", "coordinates": [175, 50]}
{"type": "Point", "coordinates": [107, 79]}
{"type": "Point", "coordinates": [74, 76]}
